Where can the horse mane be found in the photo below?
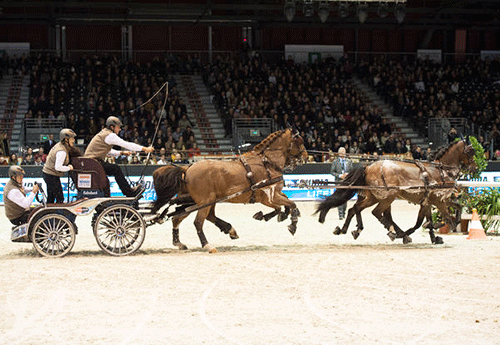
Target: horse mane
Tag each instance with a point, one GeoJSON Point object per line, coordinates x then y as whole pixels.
{"type": "Point", "coordinates": [440, 152]}
{"type": "Point", "coordinates": [268, 141]}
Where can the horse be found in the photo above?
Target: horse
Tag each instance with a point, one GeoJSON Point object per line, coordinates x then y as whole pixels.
{"type": "Point", "coordinates": [419, 182]}
{"type": "Point", "coordinates": [256, 176]}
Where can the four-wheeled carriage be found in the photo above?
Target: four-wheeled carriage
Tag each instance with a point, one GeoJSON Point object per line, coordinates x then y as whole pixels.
{"type": "Point", "coordinates": [117, 222]}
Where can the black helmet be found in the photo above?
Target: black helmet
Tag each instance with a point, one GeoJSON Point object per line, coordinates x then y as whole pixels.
{"type": "Point", "coordinates": [66, 133]}
{"type": "Point", "coordinates": [113, 121]}
{"type": "Point", "coordinates": [16, 170]}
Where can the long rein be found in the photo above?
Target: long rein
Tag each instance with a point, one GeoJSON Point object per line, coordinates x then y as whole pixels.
{"type": "Point", "coordinates": [397, 159]}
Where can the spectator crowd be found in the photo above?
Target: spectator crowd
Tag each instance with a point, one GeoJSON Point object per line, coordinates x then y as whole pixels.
{"type": "Point", "coordinates": [319, 99]}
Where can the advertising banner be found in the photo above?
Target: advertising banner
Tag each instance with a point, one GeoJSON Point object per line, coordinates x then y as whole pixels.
{"type": "Point", "coordinates": [298, 187]}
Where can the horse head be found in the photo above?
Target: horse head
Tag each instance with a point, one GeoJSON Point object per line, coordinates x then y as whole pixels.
{"type": "Point", "coordinates": [461, 154]}
{"type": "Point", "coordinates": [467, 161]}
{"type": "Point", "coordinates": [296, 153]}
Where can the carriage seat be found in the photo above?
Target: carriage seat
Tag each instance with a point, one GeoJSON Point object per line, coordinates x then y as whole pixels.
{"type": "Point", "coordinates": [89, 178]}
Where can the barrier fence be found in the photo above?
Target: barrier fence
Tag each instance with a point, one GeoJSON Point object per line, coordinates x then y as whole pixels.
{"type": "Point", "coordinates": [298, 187]}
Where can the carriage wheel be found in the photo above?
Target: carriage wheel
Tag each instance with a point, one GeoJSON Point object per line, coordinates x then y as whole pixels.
{"type": "Point", "coordinates": [119, 230]}
{"type": "Point", "coordinates": [53, 235]}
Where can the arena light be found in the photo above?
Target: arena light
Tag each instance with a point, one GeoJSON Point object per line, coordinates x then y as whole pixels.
{"type": "Point", "coordinates": [289, 10]}
{"type": "Point", "coordinates": [362, 12]}
{"type": "Point", "coordinates": [383, 9]}
{"type": "Point", "coordinates": [308, 8]}
{"type": "Point", "coordinates": [323, 11]}
{"type": "Point", "coordinates": [400, 13]}
{"type": "Point", "coordinates": [343, 10]}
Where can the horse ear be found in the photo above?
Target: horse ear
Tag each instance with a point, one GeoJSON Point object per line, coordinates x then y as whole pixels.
{"type": "Point", "coordinates": [467, 139]}
{"type": "Point", "coordinates": [294, 127]}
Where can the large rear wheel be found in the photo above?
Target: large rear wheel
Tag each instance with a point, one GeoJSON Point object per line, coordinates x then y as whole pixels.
{"type": "Point", "coordinates": [53, 235]}
{"type": "Point", "coordinates": [119, 230]}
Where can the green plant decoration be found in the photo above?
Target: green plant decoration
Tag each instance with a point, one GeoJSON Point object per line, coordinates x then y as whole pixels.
{"type": "Point", "coordinates": [485, 200]}
{"type": "Point", "coordinates": [479, 158]}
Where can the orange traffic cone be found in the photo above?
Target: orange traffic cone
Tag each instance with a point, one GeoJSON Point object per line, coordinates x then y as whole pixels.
{"type": "Point", "coordinates": [476, 231]}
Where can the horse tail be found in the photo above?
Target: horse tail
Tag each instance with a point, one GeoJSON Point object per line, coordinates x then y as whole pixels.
{"type": "Point", "coordinates": [355, 178]}
{"type": "Point", "coordinates": [168, 181]}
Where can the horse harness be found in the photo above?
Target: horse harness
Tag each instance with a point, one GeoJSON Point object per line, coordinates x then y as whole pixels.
{"type": "Point", "coordinates": [264, 183]}
{"type": "Point", "coordinates": [425, 178]}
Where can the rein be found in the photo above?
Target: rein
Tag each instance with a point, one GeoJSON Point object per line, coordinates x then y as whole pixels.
{"type": "Point", "coordinates": [252, 188]}
{"type": "Point", "coordinates": [397, 159]}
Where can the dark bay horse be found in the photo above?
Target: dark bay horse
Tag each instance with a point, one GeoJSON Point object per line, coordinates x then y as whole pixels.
{"type": "Point", "coordinates": [423, 183]}
{"type": "Point", "coordinates": [257, 176]}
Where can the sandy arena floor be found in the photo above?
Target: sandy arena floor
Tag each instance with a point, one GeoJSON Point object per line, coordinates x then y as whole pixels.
{"type": "Point", "coordinates": [268, 287]}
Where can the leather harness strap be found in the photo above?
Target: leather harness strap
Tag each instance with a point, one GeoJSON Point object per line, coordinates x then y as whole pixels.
{"type": "Point", "coordinates": [250, 177]}
{"type": "Point", "coordinates": [425, 178]}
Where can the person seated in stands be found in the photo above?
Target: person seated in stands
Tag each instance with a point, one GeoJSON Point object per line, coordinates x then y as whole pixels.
{"type": "Point", "coordinates": [102, 145]}
{"type": "Point", "coordinates": [3, 160]}
{"type": "Point", "coordinates": [13, 159]}
{"type": "Point", "coordinates": [42, 155]}
{"type": "Point", "coordinates": [17, 200]}
{"type": "Point", "coordinates": [57, 164]}
{"type": "Point", "coordinates": [28, 157]}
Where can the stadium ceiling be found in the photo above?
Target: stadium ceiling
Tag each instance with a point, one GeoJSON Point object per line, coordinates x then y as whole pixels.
{"type": "Point", "coordinates": [418, 14]}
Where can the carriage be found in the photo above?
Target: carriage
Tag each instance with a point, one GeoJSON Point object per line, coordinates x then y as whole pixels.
{"type": "Point", "coordinates": [119, 223]}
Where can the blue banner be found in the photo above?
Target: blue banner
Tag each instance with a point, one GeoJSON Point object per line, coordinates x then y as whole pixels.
{"type": "Point", "coordinates": [297, 187]}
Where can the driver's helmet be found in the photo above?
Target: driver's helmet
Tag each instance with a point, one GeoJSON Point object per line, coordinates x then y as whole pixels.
{"type": "Point", "coordinates": [16, 170]}
{"type": "Point", "coordinates": [66, 133]}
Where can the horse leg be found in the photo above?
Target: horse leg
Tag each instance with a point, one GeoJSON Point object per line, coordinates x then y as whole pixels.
{"type": "Point", "coordinates": [364, 200]}
{"type": "Point", "coordinates": [399, 233]}
{"type": "Point", "coordinates": [198, 223]}
{"type": "Point", "coordinates": [378, 212]}
{"type": "Point", "coordinates": [279, 199]}
{"type": "Point", "coordinates": [277, 211]}
{"type": "Point", "coordinates": [175, 232]}
{"type": "Point", "coordinates": [284, 215]}
{"type": "Point", "coordinates": [350, 214]}
{"type": "Point", "coordinates": [225, 227]}
{"type": "Point", "coordinates": [443, 208]}
{"type": "Point", "coordinates": [423, 212]}
{"type": "Point", "coordinates": [260, 215]}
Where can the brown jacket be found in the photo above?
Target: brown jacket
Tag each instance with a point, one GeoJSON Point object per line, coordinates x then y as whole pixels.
{"type": "Point", "coordinates": [98, 149]}
{"type": "Point", "coordinates": [12, 210]}
{"type": "Point", "coordinates": [50, 163]}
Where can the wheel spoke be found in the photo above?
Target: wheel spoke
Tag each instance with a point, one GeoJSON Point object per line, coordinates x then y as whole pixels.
{"type": "Point", "coordinates": [53, 235]}
{"type": "Point", "coordinates": [119, 230]}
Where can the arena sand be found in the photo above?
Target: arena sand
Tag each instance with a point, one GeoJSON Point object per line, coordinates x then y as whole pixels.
{"type": "Point", "coordinates": [267, 287]}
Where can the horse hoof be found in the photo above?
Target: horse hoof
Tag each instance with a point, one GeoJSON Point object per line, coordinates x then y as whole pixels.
{"type": "Point", "coordinates": [292, 228]}
{"type": "Point", "coordinates": [439, 240]}
{"type": "Point", "coordinates": [180, 245]}
{"type": "Point", "coordinates": [355, 234]}
{"type": "Point", "coordinates": [407, 239]}
{"type": "Point", "coordinates": [209, 248]}
{"type": "Point", "coordinates": [282, 217]}
{"type": "Point", "coordinates": [259, 215]}
{"type": "Point", "coordinates": [337, 231]}
{"type": "Point", "coordinates": [233, 235]}
{"type": "Point", "coordinates": [391, 235]}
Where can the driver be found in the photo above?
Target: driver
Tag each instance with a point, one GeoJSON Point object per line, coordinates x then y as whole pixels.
{"type": "Point", "coordinates": [17, 201]}
{"type": "Point", "coordinates": [102, 145]}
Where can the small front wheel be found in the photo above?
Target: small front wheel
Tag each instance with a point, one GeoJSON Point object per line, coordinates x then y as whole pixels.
{"type": "Point", "coordinates": [53, 235]}
{"type": "Point", "coordinates": [119, 230]}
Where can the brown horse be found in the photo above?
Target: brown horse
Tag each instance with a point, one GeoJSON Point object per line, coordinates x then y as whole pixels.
{"type": "Point", "coordinates": [418, 182]}
{"type": "Point", "coordinates": [257, 176]}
